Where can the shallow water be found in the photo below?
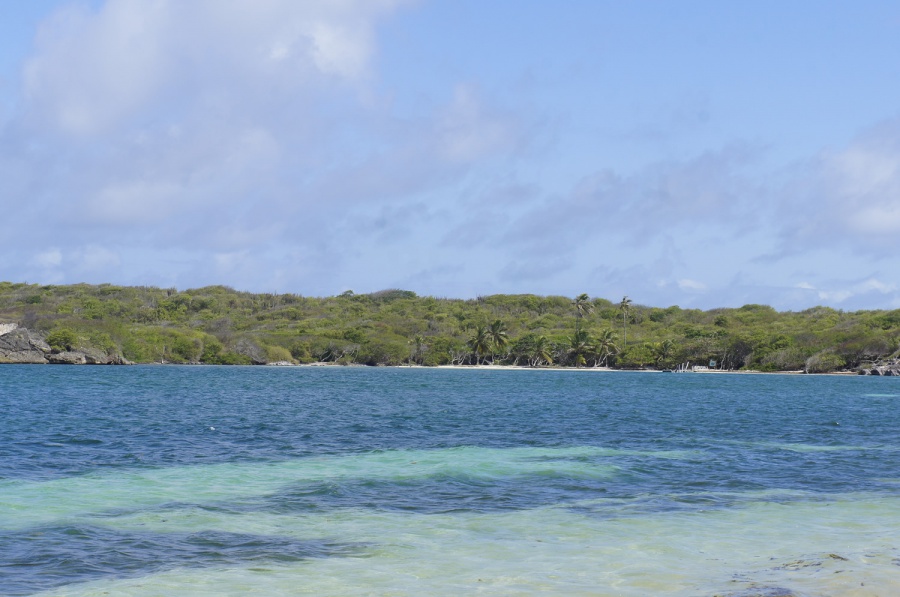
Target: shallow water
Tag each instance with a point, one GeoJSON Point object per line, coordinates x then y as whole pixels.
{"type": "Point", "coordinates": [344, 481]}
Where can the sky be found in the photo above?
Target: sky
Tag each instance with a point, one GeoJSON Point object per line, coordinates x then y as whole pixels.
{"type": "Point", "coordinates": [696, 153]}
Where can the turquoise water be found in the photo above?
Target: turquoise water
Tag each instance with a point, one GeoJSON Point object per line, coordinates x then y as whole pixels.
{"type": "Point", "coordinates": [357, 481]}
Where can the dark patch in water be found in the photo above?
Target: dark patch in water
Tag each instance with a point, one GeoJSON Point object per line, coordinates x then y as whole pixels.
{"type": "Point", "coordinates": [799, 565]}
{"type": "Point", "coordinates": [46, 558]}
{"type": "Point", "coordinates": [758, 591]}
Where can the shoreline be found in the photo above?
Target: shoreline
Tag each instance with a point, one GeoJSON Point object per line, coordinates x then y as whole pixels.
{"type": "Point", "coordinates": [572, 369]}
{"type": "Point", "coordinates": [451, 367]}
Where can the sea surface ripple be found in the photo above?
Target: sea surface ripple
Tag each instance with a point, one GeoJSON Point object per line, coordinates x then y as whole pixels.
{"type": "Point", "coordinates": [207, 480]}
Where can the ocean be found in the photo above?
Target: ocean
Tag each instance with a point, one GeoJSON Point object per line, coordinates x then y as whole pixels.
{"type": "Point", "coordinates": [170, 480]}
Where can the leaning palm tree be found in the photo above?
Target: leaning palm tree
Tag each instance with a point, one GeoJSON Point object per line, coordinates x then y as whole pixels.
{"type": "Point", "coordinates": [541, 351]}
{"type": "Point", "coordinates": [605, 346]}
{"type": "Point", "coordinates": [582, 304]}
{"type": "Point", "coordinates": [498, 336]}
{"type": "Point", "coordinates": [480, 343]}
{"type": "Point", "coordinates": [624, 306]}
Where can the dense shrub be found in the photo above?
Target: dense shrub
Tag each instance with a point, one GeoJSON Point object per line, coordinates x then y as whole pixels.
{"type": "Point", "coordinates": [824, 362]}
{"type": "Point", "coordinates": [62, 339]}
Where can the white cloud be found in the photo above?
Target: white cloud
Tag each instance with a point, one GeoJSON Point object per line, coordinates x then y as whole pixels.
{"type": "Point", "coordinates": [94, 258]}
{"type": "Point", "coordinates": [86, 259]}
{"type": "Point", "coordinates": [226, 263]}
{"type": "Point", "coordinates": [253, 143]}
{"type": "Point", "coordinates": [47, 259]}
{"type": "Point", "coordinates": [93, 70]}
{"type": "Point", "coordinates": [691, 285]}
{"type": "Point", "coordinates": [867, 188]}
{"type": "Point", "coordinates": [849, 197]}
{"type": "Point", "coordinates": [135, 202]}
{"type": "Point", "coordinates": [341, 50]}
{"type": "Point", "coordinates": [468, 132]}
{"type": "Point", "coordinates": [219, 132]}
{"type": "Point", "coordinates": [839, 292]}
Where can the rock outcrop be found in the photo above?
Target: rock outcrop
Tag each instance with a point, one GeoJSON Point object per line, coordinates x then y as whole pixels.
{"type": "Point", "coordinates": [888, 368]}
{"type": "Point", "coordinates": [21, 345]}
{"type": "Point", "coordinates": [67, 357]}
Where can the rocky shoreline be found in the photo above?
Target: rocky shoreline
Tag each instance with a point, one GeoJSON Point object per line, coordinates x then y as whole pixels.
{"type": "Point", "coordinates": [23, 346]}
{"type": "Point", "coordinates": [889, 368]}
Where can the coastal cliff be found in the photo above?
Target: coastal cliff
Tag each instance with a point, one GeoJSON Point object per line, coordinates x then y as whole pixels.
{"type": "Point", "coordinates": [21, 345]}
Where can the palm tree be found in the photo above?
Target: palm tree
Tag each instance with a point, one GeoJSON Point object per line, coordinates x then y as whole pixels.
{"type": "Point", "coordinates": [541, 351]}
{"type": "Point", "coordinates": [605, 345]}
{"type": "Point", "coordinates": [663, 351]}
{"type": "Point", "coordinates": [417, 346]}
{"type": "Point", "coordinates": [498, 336]}
{"type": "Point", "coordinates": [624, 306]}
{"type": "Point", "coordinates": [582, 304]}
{"type": "Point", "coordinates": [480, 343]}
{"type": "Point", "coordinates": [579, 346]}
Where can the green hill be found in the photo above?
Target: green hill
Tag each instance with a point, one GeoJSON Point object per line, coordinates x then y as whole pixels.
{"type": "Point", "coordinates": [219, 325]}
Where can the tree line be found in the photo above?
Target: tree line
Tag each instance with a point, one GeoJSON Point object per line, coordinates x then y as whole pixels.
{"type": "Point", "coordinates": [220, 325]}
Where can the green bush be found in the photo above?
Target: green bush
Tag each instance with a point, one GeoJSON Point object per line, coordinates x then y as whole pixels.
{"type": "Point", "coordinates": [102, 341]}
{"type": "Point", "coordinates": [62, 339]}
{"type": "Point", "coordinates": [824, 362]}
{"type": "Point", "coordinates": [278, 353]}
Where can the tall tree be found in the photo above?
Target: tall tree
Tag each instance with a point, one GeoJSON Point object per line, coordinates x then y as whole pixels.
{"type": "Point", "coordinates": [480, 343]}
{"type": "Point", "coordinates": [417, 347]}
{"type": "Point", "coordinates": [583, 306]}
{"type": "Point", "coordinates": [579, 347]}
{"type": "Point", "coordinates": [663, 352]}
{"type": "Point", "coordinates": [624, 306]}
{"type": "Point", "coordinates": [541, 351]}
{"type": "Point", "coordinates": [499, 336]}
{"type": "Point", "coordinates": [605, 345]}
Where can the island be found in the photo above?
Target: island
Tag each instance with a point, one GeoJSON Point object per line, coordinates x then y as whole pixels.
{"type": "Point", "coordinates": [217, 325]}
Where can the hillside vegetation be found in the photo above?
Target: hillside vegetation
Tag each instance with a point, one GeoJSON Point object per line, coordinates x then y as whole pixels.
{"type": "Point", "coordinates": [219, 325]}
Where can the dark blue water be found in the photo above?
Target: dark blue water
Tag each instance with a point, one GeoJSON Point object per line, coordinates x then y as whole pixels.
{"type": "Point", "coordinates": [730, 436]}
{"type": "Point", "coordinates": [69, 421]}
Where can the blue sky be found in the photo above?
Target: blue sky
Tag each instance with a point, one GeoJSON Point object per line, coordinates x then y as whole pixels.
{"type": "Point", "coordinates": [705, 154]}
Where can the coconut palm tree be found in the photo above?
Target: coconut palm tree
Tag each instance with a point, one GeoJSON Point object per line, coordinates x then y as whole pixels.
{"type": "Point", "coordinates": [480, 343]}
{"type": "Point", "coordinates": [498, 335]}
{"type": "Point", "coordinates": [579, 346]}
{"type": "Point", "coordinates": [624, 306]}
{"type": "Point", "coordinates": [417, 347]}
{"type": "Point", "coordinates": [541, 351]}
{"type": "Point", "coordinates": [663, 351]}
{"type": "Point", "coordinates": [582, 304]}
{"type": "Point", "coordinates": [605, 345]}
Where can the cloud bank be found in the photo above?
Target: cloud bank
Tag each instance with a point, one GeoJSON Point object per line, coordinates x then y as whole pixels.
{"type": "Point", "coordinates": [261, 145]}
